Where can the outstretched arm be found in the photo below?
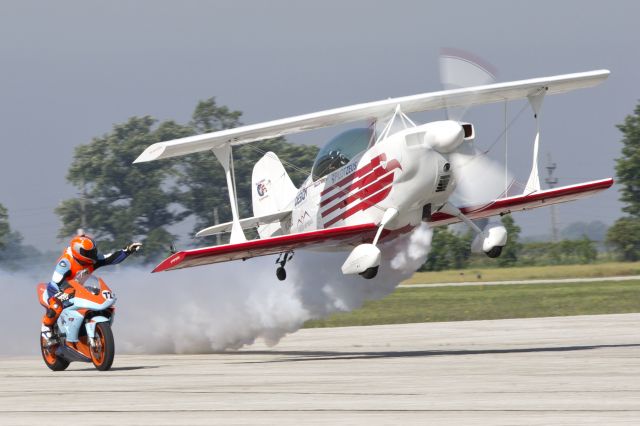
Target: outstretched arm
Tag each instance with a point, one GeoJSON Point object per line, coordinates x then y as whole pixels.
{"type": "Point", "coordinates": [117, 256]}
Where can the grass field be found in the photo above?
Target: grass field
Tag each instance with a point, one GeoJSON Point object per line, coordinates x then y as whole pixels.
{"type": "Point", "coordinates": [528, 273]}
{"type": "Point", "coordinates": [407, 305]}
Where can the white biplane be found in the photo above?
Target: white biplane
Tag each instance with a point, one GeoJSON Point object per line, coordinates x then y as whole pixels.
{"type": "Point", "coordinates": [373, 183]}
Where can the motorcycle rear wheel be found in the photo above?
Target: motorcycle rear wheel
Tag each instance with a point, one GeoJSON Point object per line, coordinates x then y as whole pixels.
{"type": "Point", "coordinates": [50, 358]}
{"type": "Point", "coordinates": [102, 354]}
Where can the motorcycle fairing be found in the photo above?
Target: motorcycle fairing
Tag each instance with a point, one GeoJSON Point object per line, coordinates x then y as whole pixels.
{"type": "Point", "coordinates": [71, 319]}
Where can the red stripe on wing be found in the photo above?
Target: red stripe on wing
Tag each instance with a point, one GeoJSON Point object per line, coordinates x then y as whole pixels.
{"type": "Point", "coordinates": [526, 202]}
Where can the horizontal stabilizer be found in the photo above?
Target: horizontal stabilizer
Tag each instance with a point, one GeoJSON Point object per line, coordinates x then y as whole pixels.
{"type": "Point", "coordinates": [466, 97]}
{"type": "Point", "coordinates": [338, 236]}
{"type": "Point", "coordinates": [250, 222]}
{"type": "Point", "coordinates": [525, 202]}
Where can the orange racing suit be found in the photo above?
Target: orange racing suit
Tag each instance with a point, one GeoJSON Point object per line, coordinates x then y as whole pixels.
{"type": "Point", "coordinates": [68, 268]}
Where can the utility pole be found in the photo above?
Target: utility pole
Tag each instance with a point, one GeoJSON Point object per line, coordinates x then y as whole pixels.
{"type": "Point", "coordinates": [551, 182]}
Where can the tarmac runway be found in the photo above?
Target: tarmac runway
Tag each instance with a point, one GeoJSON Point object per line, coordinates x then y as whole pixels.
{"type": "Point", "coordinates": [548, 371]}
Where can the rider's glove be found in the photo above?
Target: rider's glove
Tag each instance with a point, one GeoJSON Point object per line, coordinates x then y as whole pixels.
{"type": "Point", "coordinates": [132, 248]}
{"type": "Point", "coordinates": [62, 296]}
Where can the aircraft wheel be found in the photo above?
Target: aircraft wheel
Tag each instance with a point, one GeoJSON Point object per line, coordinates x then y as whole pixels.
{"type": "Point", "coordinates": [50, 358]}
{"type": "Point", "coordinates": [370, 273]}
{"type": "Point", "coordinates": [104, 350]}
{"type": "Point", "coordinates": [281, 273]}
{"type": "Point", "coordinates": [494, 252]}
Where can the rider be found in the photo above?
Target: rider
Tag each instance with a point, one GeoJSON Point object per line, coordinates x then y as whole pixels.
{"type": "Point", "coordinates": [77, 262]}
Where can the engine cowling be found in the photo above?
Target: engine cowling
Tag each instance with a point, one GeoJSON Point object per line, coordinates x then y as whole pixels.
{"type": "Point", "coordinates": [444, 136]}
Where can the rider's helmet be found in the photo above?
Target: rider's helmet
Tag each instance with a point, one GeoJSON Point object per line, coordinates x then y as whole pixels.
{"type": "Point", "coordinates": [84, 249]}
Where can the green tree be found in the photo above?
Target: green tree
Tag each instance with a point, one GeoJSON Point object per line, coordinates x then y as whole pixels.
{"type": "Point", "coordinates": [119, 201]}
{"type": "Point", "coordinates": [448, 250]}
{"type": "Point", "coordinates": [628, 165]}
{"type": "Point", "coordinates": [4, 226]}
{"type": "Point", "coordinates": [623, 236]}
{"type": "Point", "coordinates": [585, 250]}
{"type": "Point", "coordinates": [509, 256]}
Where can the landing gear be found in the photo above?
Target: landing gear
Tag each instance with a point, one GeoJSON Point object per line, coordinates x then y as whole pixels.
{"type": "Point", "coordinates": [489, 241]}
{"type": "Point", "coordinates": [283, 258]}
{"type": "Point", "coordinates": [364, 259]}
{"type": "Point", "coordinates": [370, 273]}
{"type": "Point", "coordinates": [494, 252]}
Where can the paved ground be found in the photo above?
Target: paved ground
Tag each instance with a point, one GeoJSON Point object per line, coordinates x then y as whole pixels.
{"type": "Point", "coordinates": [573, 370]}
{"type": "Point", "coordinates": [542, 281]}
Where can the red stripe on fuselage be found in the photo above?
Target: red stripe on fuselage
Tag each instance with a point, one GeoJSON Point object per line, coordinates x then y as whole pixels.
{"type": "Point", "coordinates": [364, 205]}
{"type": "Point", "coordinates": [372, 183]}
{"type": "Point", "coordinates": [375, 162]}
{"type": "Point", "coordinates": [355, 185]}
{"type": "Point", "coordinates": [374, 187]}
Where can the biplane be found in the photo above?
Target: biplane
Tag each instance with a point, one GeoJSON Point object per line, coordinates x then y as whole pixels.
{"type": "Point", "coordinates": [373, 183]}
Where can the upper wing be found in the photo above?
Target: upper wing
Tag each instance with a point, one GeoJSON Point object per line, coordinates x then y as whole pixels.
{"type": "Point", "coordinates": [525, 202]}
{"type": "Point", "coordinates": [324, 237]}
{"type": "Point", "coordinates": [373, 110]}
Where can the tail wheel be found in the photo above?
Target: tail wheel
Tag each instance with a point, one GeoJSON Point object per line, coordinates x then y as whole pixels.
{"type": "Point", "coordinates": [104, 349]}
{"type": "Point", "coordinates": [50, 358]}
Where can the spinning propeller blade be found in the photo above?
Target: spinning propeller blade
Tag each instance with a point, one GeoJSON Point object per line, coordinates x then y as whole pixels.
{"type": "Point", "coordinates": [459, 69]}
{"type": "Point", "coordinates": [479, 178]}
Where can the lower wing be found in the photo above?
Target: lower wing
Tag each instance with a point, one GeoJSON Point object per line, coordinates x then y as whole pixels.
{"type": "Point", "coordinates": [353, 235]}
{"type": "Point", "coordinates": [525, 201]}
{"type": "Point", "coordinates": [341, 235]}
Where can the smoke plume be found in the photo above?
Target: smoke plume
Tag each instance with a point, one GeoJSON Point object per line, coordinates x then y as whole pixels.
{"type": "Point", "coordinates": [223, 306]}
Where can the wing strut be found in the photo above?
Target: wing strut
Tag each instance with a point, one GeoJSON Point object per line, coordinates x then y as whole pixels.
{"type": "Point", "coordinates": [223, 154]}
{"type": "Point", "coordinates": [533, 184]}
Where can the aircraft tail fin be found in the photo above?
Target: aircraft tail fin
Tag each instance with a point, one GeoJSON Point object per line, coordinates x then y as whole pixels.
{"type": "Point", "coordinates": [272, 191]}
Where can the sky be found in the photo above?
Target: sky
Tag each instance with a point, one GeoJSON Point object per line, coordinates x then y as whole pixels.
{"type": "Point", "coordinates": [73, 69]}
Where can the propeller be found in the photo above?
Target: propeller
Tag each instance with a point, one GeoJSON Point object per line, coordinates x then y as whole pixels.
{"type": "Point", "coordinates": [478, 178]}
{"type": "Point", "coordinates": [459, 69]}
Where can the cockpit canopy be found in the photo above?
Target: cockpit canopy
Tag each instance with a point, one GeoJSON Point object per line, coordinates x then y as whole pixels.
{"type": "Point", "coordinates": [340, 150]}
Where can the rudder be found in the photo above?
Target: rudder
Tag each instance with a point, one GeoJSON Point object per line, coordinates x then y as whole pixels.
{"type": "Point", "coordinates": [272, 191]}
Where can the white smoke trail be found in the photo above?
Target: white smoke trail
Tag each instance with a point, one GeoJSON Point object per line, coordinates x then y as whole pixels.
{"type": "Point", "coordinates": [21, 313]}
{"type": "Point", "coordinates": [226, 306]}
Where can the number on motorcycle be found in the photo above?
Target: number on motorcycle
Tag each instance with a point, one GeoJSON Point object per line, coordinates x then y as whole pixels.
{"type": "Point", "coordinates": [107, 295]}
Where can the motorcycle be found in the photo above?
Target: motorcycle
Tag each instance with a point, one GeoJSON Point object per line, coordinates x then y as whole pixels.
{"type": "Point", "coordinates": [83, 330]}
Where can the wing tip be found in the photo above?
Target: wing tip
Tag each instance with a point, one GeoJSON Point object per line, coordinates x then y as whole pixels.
{"type": "Point", "coordinates": [170, 262]}
{"type": "Point", "coordinates": [152, 152]}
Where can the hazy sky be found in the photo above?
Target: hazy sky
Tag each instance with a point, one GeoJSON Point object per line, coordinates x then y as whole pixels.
{"type": "Point", "coordinates": [70, 70]}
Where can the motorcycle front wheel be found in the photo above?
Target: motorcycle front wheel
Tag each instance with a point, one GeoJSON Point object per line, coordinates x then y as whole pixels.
{"type": "Point", "coordinates": [50, 358]}
{"type": "Point", "coordinates": [104, 349]}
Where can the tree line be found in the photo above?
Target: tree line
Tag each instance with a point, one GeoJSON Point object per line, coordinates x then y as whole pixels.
{"type": "Point", "coordinates": [121, 201]}
{"type": "Point", "coordinates": [450, 250]}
